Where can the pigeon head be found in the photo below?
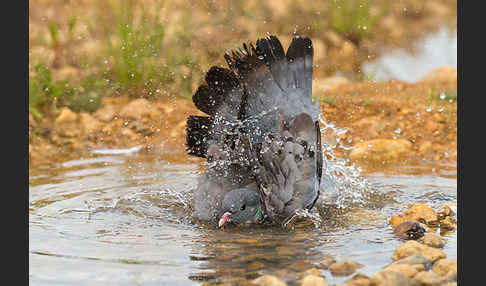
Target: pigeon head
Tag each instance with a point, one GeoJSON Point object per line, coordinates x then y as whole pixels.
{"type": "Point", "coordinates": [241, 206]}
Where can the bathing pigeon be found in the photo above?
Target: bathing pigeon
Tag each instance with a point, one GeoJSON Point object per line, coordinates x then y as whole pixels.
{"type": "Point", "coordinates": [261, 137]}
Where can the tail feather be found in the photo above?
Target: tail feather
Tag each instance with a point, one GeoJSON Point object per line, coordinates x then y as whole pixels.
{"type": "Point", "coordinates": [300, 55]}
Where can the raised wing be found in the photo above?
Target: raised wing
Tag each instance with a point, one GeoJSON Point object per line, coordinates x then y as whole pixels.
{"type": "Point", "coordinates": [262, 126]}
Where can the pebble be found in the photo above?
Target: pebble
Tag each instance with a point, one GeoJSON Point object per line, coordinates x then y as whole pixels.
{"type": "Point", "coordinates": [434, 240]}
{"type": "Point", "coordinates": [359, 280]}
{"type": "Point", "coordinates": [313, 280]}
{"type": "Point", "coordinates": [137, 109]}
{"type": "Point", "coordinates": [66, 123]}
{"type": "Point", "coordinates": [409, 230]}
{"type": "Point", "coordinates": [418, 212]}
{"type": "Point", "coordinates": [391, 278]}
{"type": "Point", "coordinates": [428, 278]}
{"type": "Point", "coordinates": [447, 209]}
{"type": "Point", "coordinates": [344, 268]}
{"type": "Point", "coordinates": [412, 247]}
{"type": "Point", "coordinates": [269, 280]}
{"type": "Point", "coordinates": [446, 268]}
{"type": "Point", "coordinates": [414, 260]}
{"type": "Point", "coordinates": [408, 269]}
{"type": "Point", "coordinates": [449, 223]}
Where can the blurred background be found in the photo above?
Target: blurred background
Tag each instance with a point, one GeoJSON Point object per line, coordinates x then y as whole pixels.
{"type": "Point", "coordinates": [81, 51]}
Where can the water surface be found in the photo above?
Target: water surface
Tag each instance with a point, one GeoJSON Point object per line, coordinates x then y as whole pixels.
{"type": "Point", "coordinates": [124, 218]}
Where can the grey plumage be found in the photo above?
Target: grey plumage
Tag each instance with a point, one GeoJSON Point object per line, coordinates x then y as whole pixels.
{"type": "Point", "coordinates": [262, 133]}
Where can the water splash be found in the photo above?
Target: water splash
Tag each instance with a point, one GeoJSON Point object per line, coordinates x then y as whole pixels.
{"type": "Point", "coordinates": [341, 183]}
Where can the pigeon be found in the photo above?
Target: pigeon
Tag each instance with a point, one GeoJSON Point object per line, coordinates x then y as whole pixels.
{"type": "Point", "coordinates": [261, 136]}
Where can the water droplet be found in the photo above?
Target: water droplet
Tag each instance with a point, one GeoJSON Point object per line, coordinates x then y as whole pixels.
{"type": "Point", "coordinates": [428, 109]}
{"type": "Point", "coordinates": [398, 131]}
{"type": "Point", "coordinates": [442, 96]}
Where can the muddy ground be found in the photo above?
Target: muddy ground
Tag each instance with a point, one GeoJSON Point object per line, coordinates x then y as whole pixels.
{"type": "Point", "coordinates": [421, 124]}
{"type": "Point", "coordinates": [421, 117]}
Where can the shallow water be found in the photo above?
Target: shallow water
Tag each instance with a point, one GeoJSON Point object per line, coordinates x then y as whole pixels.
{"type": "Point", "coordinates": [433, 51]}
{"type": "Point", "coordinates": [123, 218]}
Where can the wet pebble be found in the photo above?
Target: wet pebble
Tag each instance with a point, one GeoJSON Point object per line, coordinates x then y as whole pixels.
{"type": "Point", "coordinates": [446, 268]}
{"type": "Point", "coordinates": [412, 247]}
{"type": "Point", "coordinates": [344, 268]}
{"type": "Point", "coordinates": [447, 209]}
{"type": "Point", "coordinates": [391, 278]}
{"type": "Point", "coordinates": [409, 230]}
{"type": "Point", "coordinates": [415, 260]}
{"type": "Point", "coordinates": [268, 280]}
{"type": "Point", "coordinates": [357, 280]}
{"type": "Point", "coordinates": [448, 223]}
{"type": "Point", "coordinates": [313, 271]}
{"type": "Point", "coordinates": [428, 278]}
{"type": "Point", "coordinates": [313, 280]}
{"type": "Point", "coordinates": [419, 213]}
{"type": "Point", "coordinates": [434, 240]}
{"type": "Point", "coordinates": [408, 269]}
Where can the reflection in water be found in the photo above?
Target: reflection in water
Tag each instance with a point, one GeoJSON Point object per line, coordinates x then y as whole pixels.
{"type": "Point", "coordinates": [126, 219]}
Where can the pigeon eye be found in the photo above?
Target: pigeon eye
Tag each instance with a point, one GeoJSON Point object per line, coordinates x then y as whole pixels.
{"type": "Point", "coordinates": [243, 207]}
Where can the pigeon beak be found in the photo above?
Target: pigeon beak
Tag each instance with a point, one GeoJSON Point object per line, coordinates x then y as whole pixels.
{"type": "Point", "coordinates": [226, 216]}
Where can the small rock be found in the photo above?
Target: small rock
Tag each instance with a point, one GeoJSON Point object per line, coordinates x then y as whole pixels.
{"type": "Point", "coordinates": [446, 268]}
{"type": "Point", "coordinates": [348, 49]}
{"type": "Point", "coordinates": [445, 73]}
{"type": "Point", "coordinates": [106, 113]}
{"type": "Point", "coordinates": [391, 278]}
{"type": "Point", "coordinates": [313, 271]}
{"type": "Point", "coordinates": [448, 223]}
{"type": "Point", "coordinates": [434, 240]}
{"type": "Point", "coordinates": [412, 247]}
{"type": "Point", "coordinates": [129, 134]}
{"type": "Point", "coordinates": [381, 149]}
{"type": "Point", "coordinates": [136, 109]}
{"type": "Point", "coordinates": [409, 230]}
{"type": "Point", "coordinates": [415, 260]}
{"type": "Point", "coordinates": [408, 269]}
{"type": "Point", "coordinates": [268, 280]}
{"type": "Point", "coordinates": [344, 268]}
{"type": "Point", "coordinates": [420, 213]}
{"type": "Point", "coordinates": [447, 209]}
{"type": "Point", "coordinates": [66, 116]}
{"type": "Point", "coordinates": [359, 280]}
{"type": "Point", "coordinates": [428, 278]}
{"type": "Point", "coordinates": [89, 124]}
{"type": "Point", "coordinates": [66, 124]}
{"type": "Point", "coordinates": [313, 280]}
